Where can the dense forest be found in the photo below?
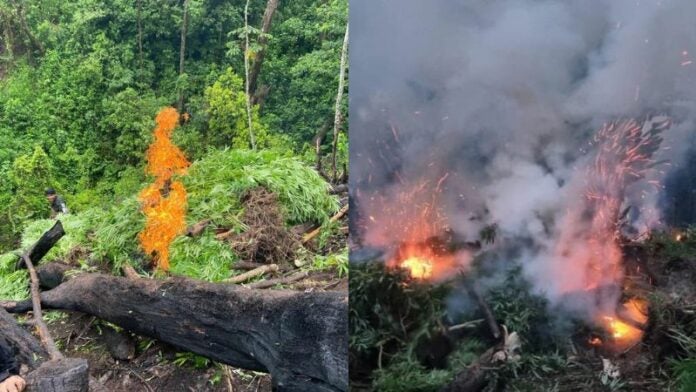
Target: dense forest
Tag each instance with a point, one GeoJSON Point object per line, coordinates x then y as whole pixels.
{"type": "Point", "coordinates": [248, 194]}
{"type": "Point", "coordinates": [83, 80]}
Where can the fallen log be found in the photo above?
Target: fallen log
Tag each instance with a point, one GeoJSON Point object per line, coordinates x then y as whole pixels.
{"type": "Point", "coordinates": [27, 348]}
{"type": "Point", "coordinates": [52, 274]}
{"type": "Point", "coordinates": [299, 338]}
{"type": "Point", "coordinates": [60, 375]}
{"type": "Point", "coordinates": [64, 375]}
{"type": "Point", "coordinates": [43, 245]}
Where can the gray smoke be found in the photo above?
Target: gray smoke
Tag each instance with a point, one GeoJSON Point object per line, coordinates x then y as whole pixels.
{"type": "Point", "coordinates": [504, 95]}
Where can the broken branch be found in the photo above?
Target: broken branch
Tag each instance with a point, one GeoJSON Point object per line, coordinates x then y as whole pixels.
{"type": "Point", "coordinates": [253, 273]}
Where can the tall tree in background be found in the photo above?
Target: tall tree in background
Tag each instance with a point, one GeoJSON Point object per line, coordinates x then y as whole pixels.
{"type": "Point", "coordinates": [182, 53]}
{"type": "Point", "coordinates": [246, 74]}
{"type": "Point", "coordinates": [339, 97]}
{"type": "Point", "coordinates": [271, 7]}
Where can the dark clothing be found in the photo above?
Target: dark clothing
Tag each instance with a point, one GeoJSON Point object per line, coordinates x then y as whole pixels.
{"type": "Point", "coordinates": [8, 363]}
{"type": "Point", "coordinates": [58, 206]}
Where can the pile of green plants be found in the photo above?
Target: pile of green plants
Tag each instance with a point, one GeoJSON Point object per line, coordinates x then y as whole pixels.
{"type": "Point", "coordinates": [215, 185]}
{"type": "Point", "coordinates": [399, 339]}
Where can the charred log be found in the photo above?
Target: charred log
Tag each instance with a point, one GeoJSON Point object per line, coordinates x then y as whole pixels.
{"type": "Point", "coordinates": [60, 375]}
{"type": "Point", "coordinates": [43, 245]}
{"type": "Point", "coordinates": [27, 348]}
{"type": "Point", "coordinates": [300, 338]}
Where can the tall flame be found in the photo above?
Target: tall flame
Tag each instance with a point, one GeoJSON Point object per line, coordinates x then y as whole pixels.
{"type": "Point", "coordinates": [164, 201]}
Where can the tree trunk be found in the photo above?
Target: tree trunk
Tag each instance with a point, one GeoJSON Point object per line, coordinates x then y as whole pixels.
{"type": "Point", "coordinates": [299, 338]}
{"type": "Point", "coordinates": [43, 245]}
{"type": "Point", "coordinates": [182, 53]}
{"type": "Point", "coordinates": [252, 141]}
{"type": "Point", "coordinates": [60, 375]}
{"type": "Point", "coordinates": [64, 375]}
{"type": "Point", "coordinates": [271, 7]}
{"type": "Point", "coordinates": [27, 348]}
{"type": "Point", "coordinates": [140, 41]}
{"type": "Point", "coordinates": [339, 98]}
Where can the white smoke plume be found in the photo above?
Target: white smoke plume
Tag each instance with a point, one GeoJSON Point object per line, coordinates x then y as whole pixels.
{"type": "Point", "coordinates": [504, 96]}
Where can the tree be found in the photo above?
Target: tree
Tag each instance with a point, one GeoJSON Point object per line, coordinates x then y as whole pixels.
{"type": "Point", "coordinates": [271, 7]}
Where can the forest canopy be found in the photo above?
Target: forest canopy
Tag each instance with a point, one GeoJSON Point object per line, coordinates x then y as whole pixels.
{"type": "Point", "coordinates": [81, 82]}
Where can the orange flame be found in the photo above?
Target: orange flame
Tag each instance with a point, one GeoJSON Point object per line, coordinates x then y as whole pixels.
{"type": "Point", "coordinates": [625, 334]}
{"type": "Point", "coordinates": [164, 201]}
{"type": "Point", "coordinates": [419, 268]}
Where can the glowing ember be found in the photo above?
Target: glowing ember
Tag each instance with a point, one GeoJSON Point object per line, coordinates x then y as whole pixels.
{"type": "Point", "coordinates": [418, 268]}
{"type": "Point", "coordinates": [636, 310]}
{"type": "Point", "coordinates": [595, 341]}
{"type": "Point", "coordinates": [164, 201]}
{"type": "Point", "coordinates": [623, 335]}
{"type": "Point", "coordinates": [624, 329]}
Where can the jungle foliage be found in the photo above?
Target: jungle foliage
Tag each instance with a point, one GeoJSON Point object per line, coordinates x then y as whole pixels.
{"type": "Point", "coordinates": [81, 82]}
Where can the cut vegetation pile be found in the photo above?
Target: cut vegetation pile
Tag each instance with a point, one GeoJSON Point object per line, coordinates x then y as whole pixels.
{"type": "Point", "coordinates": [407, 335]}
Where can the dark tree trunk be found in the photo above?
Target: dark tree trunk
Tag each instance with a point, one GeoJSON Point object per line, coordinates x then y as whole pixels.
{"type": "Point", "coordinates": [271, 7]}
{"type": "Point", "coordinates": [60, 375]}
{"type": "Point", "coordinates": [299, 338]}
{"type": "Point", "coordinates": [44, 244]}
{"type": "Point", "coordinates": [27, 348]}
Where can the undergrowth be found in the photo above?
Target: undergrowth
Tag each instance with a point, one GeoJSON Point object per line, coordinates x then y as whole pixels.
{"type": "Point", "coordinates": [215, 185]}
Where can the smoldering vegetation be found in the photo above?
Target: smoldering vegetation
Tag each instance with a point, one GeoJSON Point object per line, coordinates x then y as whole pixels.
{"type": "Point", "coordinates": [474, 116]}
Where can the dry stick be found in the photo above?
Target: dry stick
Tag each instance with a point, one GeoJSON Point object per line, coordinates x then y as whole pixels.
{"type": "Point", "coordinates": [46, 338]}
{"type": "Point", "coordinates": [224, 235]}
{"type": "Point", "coordinates": [468, 324]}
{"type": "Point", "coordinates": [308, 237]}
{"type": "Point", "coordinates": [228, 377]}
{"type": "Point", "coordinates": [253, 273]}
{"type": "Point", "coordinates": [246, 265]}
{"type": "Point", "coordinates": [339, 97]}
{"type": "Point", "coordinates": [485, 309]}
{"type": "Point", "coordinates": [198, 228]}
{"type": "Point", "coordinates": [297, 276]}
{"type": "Point", "coordinates": [129, 271]}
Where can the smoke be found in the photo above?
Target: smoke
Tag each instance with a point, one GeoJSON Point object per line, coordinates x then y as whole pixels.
{"type": "Point", "coordinates": [504, 96]}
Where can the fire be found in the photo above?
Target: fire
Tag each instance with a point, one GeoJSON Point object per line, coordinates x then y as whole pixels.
{"type": "Point", "coordinates": [624, 328]}
{"type": "Point", "coordinates": [164, 201]}
{"type": "Point", "coordinates": [623, 335]}
{"type": "Point", "coordinates": [419, 268]}
{"type": "Point", "coordinates": [409, 219]}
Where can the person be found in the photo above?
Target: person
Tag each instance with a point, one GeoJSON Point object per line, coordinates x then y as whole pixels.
{"type": "Point", "coordinates": [58, 205]}
{"type": "Point", "coordinates": [9, 380]}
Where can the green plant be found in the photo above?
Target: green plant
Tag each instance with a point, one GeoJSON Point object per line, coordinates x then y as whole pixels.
{"type": "Point", "coordinates": [338, 261]}
{"type": "Point", "coordinates": [191, 359]}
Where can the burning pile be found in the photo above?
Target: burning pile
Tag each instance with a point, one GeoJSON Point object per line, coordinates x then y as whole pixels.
{"type": "Point", "coordinates": [417, 227]}
{"type": "Point", "coordinates": [588, 255]}
{"type": "Point", "coordinates": [164, 201]}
